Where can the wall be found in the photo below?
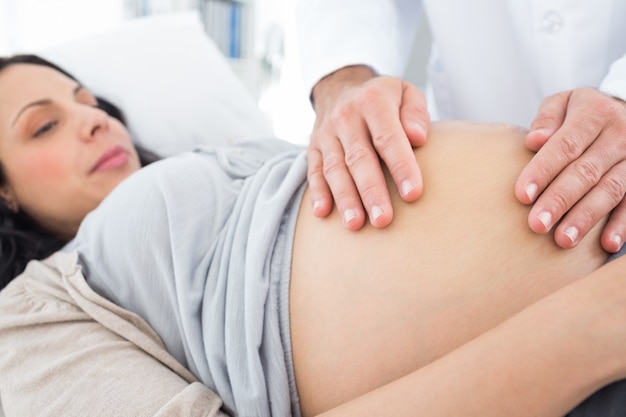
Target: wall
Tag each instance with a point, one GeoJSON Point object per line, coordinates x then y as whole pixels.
{"type": "Point", "coordinates": [27, 25]}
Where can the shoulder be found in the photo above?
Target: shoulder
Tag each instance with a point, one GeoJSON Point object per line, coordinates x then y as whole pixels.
{"type": "Point", "coordinates": [40, 287]}
{"type": "Point", "coordinates": [209, 165]}
{"type": "Point", "coordinates": [207, 178]}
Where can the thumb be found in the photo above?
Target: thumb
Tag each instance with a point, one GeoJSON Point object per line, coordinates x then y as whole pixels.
{"type": "Point", "coordinates": [414, 114]}
{"type": "Point", "coordinates": [549, 119]}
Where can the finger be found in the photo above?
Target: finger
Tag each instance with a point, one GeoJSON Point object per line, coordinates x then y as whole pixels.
{"type": "Point", "coordinates": [414, 115]}
{"type": "Point", "coordinates": [321, 197]}
{"type": "Point", "coordinates": [571, 186]}
{"type": "Point", "coordinates": [549, 119]}
{"type": "Point", "coordinates": [614, 233]}
{"type": "Point", "coordinates": [363, 164]}
{"type": "Point", "coordinates": [595, 205]}
{"type": "Point", "coordinates": [399, 158]}
{"type": "Point", "coordinates": [565, 146]}
{"type": "Point", "coordinates": [392, 145]}
{"type": "Point", "coordinates": [341, 185]}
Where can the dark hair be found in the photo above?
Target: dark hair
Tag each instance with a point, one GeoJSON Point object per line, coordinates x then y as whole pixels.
{"type": "Point", "coordinates": [21, 238]}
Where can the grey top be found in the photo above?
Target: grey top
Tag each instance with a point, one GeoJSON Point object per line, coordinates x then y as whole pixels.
{"type": "Point", "coordinates": [199, 245]}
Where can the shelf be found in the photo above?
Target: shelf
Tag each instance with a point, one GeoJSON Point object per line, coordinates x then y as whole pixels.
{"type": "Point", "coordinates": [228, 23]}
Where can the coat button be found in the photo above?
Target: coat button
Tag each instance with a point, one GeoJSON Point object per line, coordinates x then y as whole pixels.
{"type": "Point", "coordinates": [552, 22]}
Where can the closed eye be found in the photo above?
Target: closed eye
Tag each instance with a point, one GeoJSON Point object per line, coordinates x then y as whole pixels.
{"type": "Point", "coordinates": [45, 128]}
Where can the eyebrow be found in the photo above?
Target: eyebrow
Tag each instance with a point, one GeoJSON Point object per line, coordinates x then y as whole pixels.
{"type": "Point", "coordinates": [43, 102]}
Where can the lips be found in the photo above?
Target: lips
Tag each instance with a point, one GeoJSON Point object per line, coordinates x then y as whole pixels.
{"type": "Point", "coordinates": [111, 159]}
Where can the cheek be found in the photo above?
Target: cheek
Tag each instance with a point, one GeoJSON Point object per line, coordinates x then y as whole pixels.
{"type": "Point", "coordinates": [35, 171]}
{"type": "Point", "coordinates": [48, 188]}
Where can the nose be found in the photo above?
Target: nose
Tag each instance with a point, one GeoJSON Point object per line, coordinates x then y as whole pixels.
{"type": "Point", "coordinates": [93, 122]}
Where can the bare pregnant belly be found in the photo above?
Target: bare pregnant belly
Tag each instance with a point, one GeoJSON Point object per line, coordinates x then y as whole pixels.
{"type": "Point", "coordinates": [370, 306]}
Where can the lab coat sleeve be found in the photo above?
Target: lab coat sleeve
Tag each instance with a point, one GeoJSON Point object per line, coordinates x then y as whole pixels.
{"type": "Point", "coordinates": [65, 351]}
{"type": "Point", "coordinates": [614, 83]}
{"type": "Point", "coordinates": [333, 34]}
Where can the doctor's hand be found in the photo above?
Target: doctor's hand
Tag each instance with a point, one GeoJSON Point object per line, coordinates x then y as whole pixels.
{"type": "Point", "coordinates": [578, 174]}
{"type": "Point", "coordinates": [362, 121]}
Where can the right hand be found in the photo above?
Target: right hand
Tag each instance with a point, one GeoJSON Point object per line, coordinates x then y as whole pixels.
{"type": "Point", "coordinates": [361, 117]}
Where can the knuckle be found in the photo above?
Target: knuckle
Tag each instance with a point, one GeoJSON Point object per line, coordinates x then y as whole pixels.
{"type": "Point", "coordinates": [355, 156]}
{"type": "Point", "coordinates": [314, 160]}
{"type": "Point", "coordinates": [331, 165]}
{"type": "Point", "coordinates": [369, 94]}
{"type": "Point", "coordinates": [369, 98]}
{"type": "Point", "coordinates": [588, 172]}
{"type": "Point", "coordinates": [614, 189]}
{"type": "Point", "coordinates": [384, 92]}
{"type": "Point", "coordinates": [314, 170]}
{"type": "Point", "coordinates": [602, 108]}
{"type": "Point", "coordinates": [620, 143]}
{"type": "Point", "coordinates": [546, 170]}
{"type": "Point", "coordinates": [368, 192]}
{"type": "Point", "coordinates": [607, 107]}
{"type": "Point", "coordinates": [587, 218]}
{"type": "Point", "coordinates": [340, 116]}
{"type": "Point", "coordinates": [617, 115]}
{"type": "Point", "coordinates": [384, 139]}
{"type": "Point", "coordinates": [342, 195]}
{"type": "Point", "coordinates": [398, 168]}
{"type": "Point", "coordinates": [571, 146]}
{"type": "Point", "coordinates": [561, 200]}
{"type": "Point", "coordinates": [312, 154]}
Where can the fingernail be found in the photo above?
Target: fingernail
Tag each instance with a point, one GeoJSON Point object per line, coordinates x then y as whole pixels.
{"type": "Point", "coordinates": [317, 204]}
{"type": "Point", "coordinates": [349, 215]}
{"type": "Point", "coordinates": [377, 211]}
{"type": "Point", "coordinates": [407, 187]}
{"type": "Point", "coordinates": [572, 233]}
{"type": "Point", "coordinates": [531, 191]}
{"type": "Point", "coordinates": [618, 241]}
{"type": "Point", "coordinates": [545, 218]}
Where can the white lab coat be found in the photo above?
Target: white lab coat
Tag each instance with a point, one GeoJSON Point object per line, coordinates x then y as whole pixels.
{"type": "Point", "coordinates": [492, 60]}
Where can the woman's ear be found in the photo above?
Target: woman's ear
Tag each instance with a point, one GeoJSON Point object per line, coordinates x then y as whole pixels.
{"type": "Point", "coordinates": [8, 199]}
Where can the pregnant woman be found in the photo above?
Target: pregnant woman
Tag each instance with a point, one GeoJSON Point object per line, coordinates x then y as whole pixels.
{"type": "Point", "coordinates": [455, 308]}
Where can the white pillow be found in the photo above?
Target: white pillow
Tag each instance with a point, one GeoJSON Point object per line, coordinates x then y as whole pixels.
{"type": "Point", "coordinates": [176, 88]}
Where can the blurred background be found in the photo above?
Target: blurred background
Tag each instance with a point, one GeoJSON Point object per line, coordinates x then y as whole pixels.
{"type": "Point", "coordinates": [258, 37]}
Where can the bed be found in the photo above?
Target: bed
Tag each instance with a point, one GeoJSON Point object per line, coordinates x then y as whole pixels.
{"type": "Point", "coordinates": [176, 87]}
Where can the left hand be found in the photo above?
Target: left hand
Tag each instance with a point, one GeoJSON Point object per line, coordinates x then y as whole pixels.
{"type": "Point", "coordinates": [578, 174]}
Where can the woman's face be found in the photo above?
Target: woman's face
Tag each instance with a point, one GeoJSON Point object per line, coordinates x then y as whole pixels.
{"type": "Point", "coordinates": [61, 154]}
